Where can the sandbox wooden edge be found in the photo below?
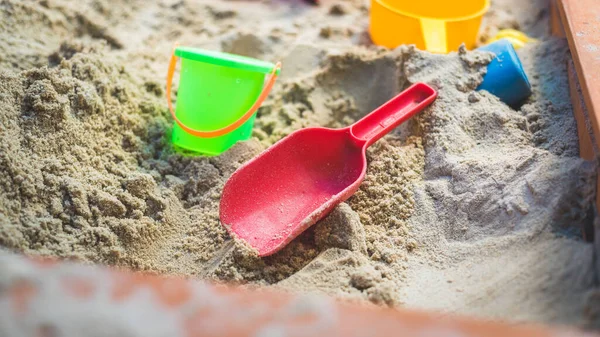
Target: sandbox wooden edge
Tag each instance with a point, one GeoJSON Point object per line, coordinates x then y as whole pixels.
{"type": "Point", "coordinates": [579, 22]}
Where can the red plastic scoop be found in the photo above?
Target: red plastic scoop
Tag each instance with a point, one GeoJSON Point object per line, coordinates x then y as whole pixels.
{"type": "Point", "coordinates": [277, 195]}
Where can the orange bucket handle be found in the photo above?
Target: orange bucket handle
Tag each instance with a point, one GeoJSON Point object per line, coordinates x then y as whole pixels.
{"type": "Point", "coordinates": [227, 129]}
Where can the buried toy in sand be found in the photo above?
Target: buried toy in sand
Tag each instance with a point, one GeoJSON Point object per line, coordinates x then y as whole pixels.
{"type": "Point", "coordinates": [505, 77]}
{"type": "Point", "coordinates": [276, 196]}
{"type": "Point", "coordinates": [517, 38]}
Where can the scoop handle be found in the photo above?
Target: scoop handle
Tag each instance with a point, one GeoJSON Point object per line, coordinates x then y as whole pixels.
{"type": "Point", "coordinates": [393, 113]}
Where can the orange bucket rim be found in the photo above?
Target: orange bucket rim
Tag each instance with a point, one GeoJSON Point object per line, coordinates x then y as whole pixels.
{"type": "Point", "coordinates": [481, 12]}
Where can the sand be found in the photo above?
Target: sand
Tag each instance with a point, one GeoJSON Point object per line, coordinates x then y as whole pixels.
{"type": "Point", "coordinates": [472, 207]}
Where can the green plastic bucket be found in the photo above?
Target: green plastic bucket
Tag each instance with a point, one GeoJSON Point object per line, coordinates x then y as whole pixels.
{"type": "Point", "coordinates": [217, 98]}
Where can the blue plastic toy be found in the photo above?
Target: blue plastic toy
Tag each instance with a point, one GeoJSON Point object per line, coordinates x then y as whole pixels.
{"type": "Point", "coordinates": [505, 76]}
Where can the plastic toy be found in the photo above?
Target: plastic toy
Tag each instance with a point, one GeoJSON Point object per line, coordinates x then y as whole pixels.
{"type": "Point", "coordinates": [217, 98]}
{"type": "Point", "coordinates": [438, 26]}
{"type": "Point", "coordinates": [517, 38]}
{"type": "Point", "coordinates": [280, 193]}
{"type": "Point", "coordinates": [505, 76]}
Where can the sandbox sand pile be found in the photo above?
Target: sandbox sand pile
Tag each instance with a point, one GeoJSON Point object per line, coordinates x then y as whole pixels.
{"type": "Point", "coordinates": [472, 207]}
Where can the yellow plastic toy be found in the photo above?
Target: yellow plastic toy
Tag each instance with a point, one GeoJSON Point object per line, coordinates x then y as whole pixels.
{"type": "Point", "coordinates": [438, 26]}
{"type": "Point", "coordinates": [517, 38]}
